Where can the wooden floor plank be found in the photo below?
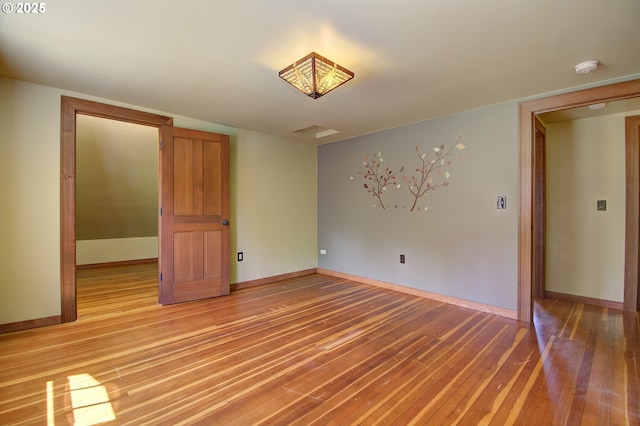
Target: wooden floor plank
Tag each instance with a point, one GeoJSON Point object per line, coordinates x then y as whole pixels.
{"type": "Point", "coordinates": [316, 350]}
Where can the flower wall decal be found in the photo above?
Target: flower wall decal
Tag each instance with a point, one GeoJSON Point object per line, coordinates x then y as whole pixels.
{"type": "Point", "coordinates": [431, 173]}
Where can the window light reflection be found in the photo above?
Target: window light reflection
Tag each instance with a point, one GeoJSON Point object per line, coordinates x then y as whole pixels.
{"type": "Point", "coordinates": [89, 400]}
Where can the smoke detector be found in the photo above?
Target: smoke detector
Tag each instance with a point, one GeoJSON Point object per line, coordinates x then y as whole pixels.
{"type": "Point", "coordinates": [587, 66]}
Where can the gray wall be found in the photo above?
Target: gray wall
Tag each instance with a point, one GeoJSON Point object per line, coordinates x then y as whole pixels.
{"type": "Point", "coordinates": [462, 246]}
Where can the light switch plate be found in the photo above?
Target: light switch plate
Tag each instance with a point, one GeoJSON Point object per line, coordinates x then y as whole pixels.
{"type": "Point", "coordinates": [501, 202]}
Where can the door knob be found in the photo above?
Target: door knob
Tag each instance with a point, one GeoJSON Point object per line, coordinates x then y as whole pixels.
{"type": "Point", "coordinates": [225, 222]}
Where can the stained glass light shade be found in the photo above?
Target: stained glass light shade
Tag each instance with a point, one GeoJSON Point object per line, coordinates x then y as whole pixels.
{"type": "Point", "coordinates": [315, 75]}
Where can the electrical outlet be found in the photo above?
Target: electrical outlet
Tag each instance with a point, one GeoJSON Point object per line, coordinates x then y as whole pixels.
{"type": "Point", "coordinates": [240, 256]}
{"type": "Point", "coordinates": [402, 258]}
{"type": "Point", "coordinates": [602, 205]}
{"type": "Point", "coordinates": [323, 251]}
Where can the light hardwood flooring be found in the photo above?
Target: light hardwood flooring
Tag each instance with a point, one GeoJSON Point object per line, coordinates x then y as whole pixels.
{"type": "Point", "coordinates": [316, 350]}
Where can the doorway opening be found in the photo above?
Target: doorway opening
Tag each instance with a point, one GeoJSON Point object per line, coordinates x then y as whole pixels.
{"type": "Point", "coordinates": [72, 108]}
{"type": "Point", "coordinates": [527, 227]}
{"type": "Point", "coordinates": [116, 209]}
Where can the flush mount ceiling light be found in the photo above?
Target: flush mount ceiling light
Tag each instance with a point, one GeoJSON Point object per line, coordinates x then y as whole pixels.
{"type": "Point", "coordinates": [315, 75]}
{"type": "Point", "coordinates": [587, 66]}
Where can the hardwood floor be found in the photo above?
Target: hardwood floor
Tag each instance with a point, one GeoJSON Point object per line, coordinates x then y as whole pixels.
{"type": "Point", "coordinates": [316, 350]}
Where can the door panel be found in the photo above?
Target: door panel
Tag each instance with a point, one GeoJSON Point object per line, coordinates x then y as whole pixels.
{"type": "Point", "coordinates": [194, 240]}
{"type": "Point", "coordinates": [212, 245]}
{"type": "Point", "coordinates": [184, 175]}
{"type": "Point", "coordinates": [212, 180]}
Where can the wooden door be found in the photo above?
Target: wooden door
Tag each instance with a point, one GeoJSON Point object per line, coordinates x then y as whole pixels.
{"type": "Point", "coordinates": [194, 203]}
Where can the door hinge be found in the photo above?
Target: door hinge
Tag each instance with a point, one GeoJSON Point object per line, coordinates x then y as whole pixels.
{"type": "Point", "coordinates": [161, 146]}
{"type": "Point", "coordinates": [160, 276]}
{"type": "Point", "coordinates": [160, 211]}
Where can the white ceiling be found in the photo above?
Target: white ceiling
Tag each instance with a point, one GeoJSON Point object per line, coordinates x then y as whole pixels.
{"type": "Point", "coordinates": [413, 59]}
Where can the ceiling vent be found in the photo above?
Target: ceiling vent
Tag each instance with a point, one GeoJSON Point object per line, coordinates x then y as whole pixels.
{"type": "Point", "coordinates": [316, 132]}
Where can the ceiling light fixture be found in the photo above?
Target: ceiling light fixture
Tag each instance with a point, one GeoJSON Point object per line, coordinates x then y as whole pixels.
{"type": "Point", "coordinates": [315, 75]}
{"type": "Point", "coordinates": [587, 66]}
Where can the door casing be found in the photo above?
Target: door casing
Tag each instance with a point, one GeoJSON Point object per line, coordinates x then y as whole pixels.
{"type": "Point", "coordinates": [70, 108]}
{"type": "Point", "coordinates": [539, 214]}
{"type": "Point", "coordinates": [526, 237]}
{"type": "Point", "coordinates": [632, 213]}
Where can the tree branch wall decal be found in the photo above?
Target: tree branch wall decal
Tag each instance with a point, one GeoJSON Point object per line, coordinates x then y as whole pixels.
{"type": "Point", "coordinates": [378, 179]}
{"type": "Point", "coordinates": [431, 173]}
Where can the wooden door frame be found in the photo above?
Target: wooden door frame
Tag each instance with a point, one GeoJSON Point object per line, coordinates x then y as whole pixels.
{"type": "Point", "coordinates": [632, 211]}
{"type": "Point", "coordinates": [526, 113]}
{"type": "Point", "coordinates": [539, 213]}
{"type": "Point", "coordinates": [70, 108]}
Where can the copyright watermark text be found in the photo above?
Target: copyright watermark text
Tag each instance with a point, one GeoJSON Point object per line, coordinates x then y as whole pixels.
{"type": "Point", "coordinates": [24, 8]}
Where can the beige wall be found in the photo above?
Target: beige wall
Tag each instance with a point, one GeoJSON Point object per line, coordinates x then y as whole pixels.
{"type": "Point", "coordinates": [585, 247]}
{"type": "Point", "coordinates": [90, 252]}
{"type": "Point", "coordinates": [116, 191]}
{"type": "Point", "coordinates": [30, 190]}
{"type": "Point", "coordinates": [116, 179]}
{"type": "Point", "coordinates": [273, 205]}
{"type": "Point", "coordinates": [273, 200]}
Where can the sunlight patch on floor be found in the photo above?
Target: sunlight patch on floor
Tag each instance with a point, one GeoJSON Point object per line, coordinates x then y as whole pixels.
{"type": "Point", "coordinates": [51, 418]}
{"type": "Point", "coordinates": [89, 400]}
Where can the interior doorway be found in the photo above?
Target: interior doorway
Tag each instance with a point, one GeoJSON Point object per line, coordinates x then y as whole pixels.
{"type": "Point", "coordinates": [584, 163]}
{"type": "Point", "coordinates": [526, 230]}
{"type": "Point", "coordinates": [193, 210]}
{"type": "Point", "coordinates": [116, 192]}
{"type": "Point", "coordinates": [71, 109]}
{"type": "Point", "coordinates": [117, 202]}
